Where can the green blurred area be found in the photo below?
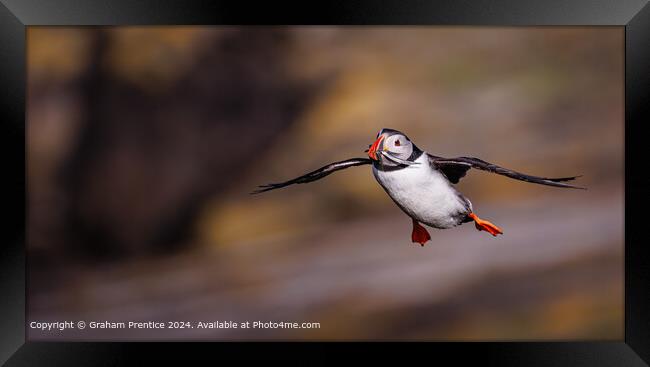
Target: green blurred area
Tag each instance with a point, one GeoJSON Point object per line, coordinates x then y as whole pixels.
{"type": "Point", "coordinates": [144, 142]}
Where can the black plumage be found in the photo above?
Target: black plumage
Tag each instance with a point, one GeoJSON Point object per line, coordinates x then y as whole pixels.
{"type": "Point", "coordinates": [456, 168]}
{"type": "Point", "coordinates": [315, 175]}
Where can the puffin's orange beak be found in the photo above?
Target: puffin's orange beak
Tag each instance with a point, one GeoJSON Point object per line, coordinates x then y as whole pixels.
{"type": "Point", "coordinates": [372, 152]}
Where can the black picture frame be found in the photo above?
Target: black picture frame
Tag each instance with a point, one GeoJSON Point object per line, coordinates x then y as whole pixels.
{"type": "Point", "coordinates": [15, 15]}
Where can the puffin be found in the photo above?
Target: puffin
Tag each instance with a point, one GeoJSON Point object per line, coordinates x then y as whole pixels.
{"type": "Point", "coordinates": [422, 184]}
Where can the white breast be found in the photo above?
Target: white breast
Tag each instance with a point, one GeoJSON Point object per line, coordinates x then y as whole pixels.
{"type": "Point", "coordinates": [424, 193]}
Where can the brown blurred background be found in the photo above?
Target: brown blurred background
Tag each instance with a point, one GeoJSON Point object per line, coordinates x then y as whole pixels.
{"type": "Point", "coordinates": [144, 142]}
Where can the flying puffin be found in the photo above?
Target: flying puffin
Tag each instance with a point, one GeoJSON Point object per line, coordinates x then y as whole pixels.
{"type": "Point", "coordinates": [421, 184]}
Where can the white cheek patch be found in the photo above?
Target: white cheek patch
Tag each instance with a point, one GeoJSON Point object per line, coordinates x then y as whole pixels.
{"type": "Point", "coordinates": [401, 150]}
{"type": "Point", "coordinates": [397, 160]}
{"type": "Point", "coordinates": [399, 146]}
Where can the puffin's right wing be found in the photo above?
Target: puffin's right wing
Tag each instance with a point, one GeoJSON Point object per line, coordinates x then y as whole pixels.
{"type": "Point", "coordinates": [456, 168]}
{"type": "Point", "coordinates": [315, 175]}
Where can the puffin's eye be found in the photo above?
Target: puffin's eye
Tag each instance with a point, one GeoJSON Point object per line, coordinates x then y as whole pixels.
{"type": "Point", "coordinates": [397, 143]}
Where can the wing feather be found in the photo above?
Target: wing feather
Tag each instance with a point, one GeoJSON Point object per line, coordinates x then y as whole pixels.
{"type": "Point", "coordinates": [456, 168]}
{"type": "Point", "coordinates": [315, 175]}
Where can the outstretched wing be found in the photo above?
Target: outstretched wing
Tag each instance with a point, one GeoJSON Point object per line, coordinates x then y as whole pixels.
{"type": "Point", "coordinates": [456, 168]}
{"type": "Point", "coordinates": [315, 175]}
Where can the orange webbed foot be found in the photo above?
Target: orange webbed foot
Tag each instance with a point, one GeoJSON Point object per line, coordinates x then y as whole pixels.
{"type": "Point", "coordinates": [419, 234]}
{"type": "Point", "coordinates": [484, 225]}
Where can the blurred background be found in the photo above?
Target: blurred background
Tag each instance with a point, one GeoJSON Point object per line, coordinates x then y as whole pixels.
{"type": "Point", "coordinates": [143, 144]}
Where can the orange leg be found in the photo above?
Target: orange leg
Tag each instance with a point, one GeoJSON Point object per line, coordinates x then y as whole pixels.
{"type": "Point", "coordinates": [419, 234]}
{"type": "Point", "coordinates": [484, 225]}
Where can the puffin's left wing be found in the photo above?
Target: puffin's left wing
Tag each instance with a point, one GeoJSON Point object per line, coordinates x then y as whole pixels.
{"type": "Point", "coordinates": [315, 175]}
{"type": "Point", "coordinates": [456, 168]}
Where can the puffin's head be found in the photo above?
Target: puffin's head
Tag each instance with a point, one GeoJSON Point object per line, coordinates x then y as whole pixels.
{"type": "Point", "coordinates": [391, 148]}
